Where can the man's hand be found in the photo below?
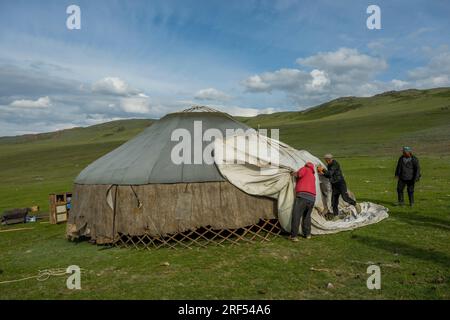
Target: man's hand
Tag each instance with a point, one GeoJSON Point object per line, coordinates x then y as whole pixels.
{"type": "Point", "coordinates": [320, 169]}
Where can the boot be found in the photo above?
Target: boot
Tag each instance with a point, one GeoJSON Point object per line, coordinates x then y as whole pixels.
{"type": "Point", "coordinates": [401, 200]}
{"type": "Point", "coordinates": [411, 198]}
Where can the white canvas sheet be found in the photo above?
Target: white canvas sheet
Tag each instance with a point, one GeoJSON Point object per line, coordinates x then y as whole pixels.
{"type": "Point", "coordinates": [261, 166]}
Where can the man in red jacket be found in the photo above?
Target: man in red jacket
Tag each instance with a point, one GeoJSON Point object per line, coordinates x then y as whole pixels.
{"type": "Point", "coordinates": [305, 190]}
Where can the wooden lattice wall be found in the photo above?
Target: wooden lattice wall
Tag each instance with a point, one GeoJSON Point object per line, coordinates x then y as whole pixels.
{"type": "Point", "coordinates": [202, 237]}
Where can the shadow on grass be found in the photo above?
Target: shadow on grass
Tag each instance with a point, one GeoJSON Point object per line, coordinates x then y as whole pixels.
{"type": "Point", "coordinates": [411, 217]}
{"type": "Point", "coordinates": [106, 247]}
{"type": "Point", "coordinates": [405, 249]}
{"type": "Point", "coordinates": [424, 221]}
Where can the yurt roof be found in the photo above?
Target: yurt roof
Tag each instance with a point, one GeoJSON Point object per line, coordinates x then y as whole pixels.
{"type": "Point", "coordinates": [146, 158]}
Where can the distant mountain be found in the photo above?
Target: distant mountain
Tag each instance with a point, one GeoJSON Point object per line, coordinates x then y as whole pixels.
{"type": "Point", "coordinates": [356, 106]}
{"type": "Point", "coordinates": [114, 130]}
{"type": "Point", "coordinates": [354, 124]}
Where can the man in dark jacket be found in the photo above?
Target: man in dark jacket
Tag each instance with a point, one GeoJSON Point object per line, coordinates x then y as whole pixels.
{"type": "Point", "coordinates": [407, 173]}
{"type": "Point", "coordinates": [338, 185]}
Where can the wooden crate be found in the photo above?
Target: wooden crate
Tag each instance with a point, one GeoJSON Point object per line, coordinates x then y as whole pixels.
{"type": "Point", "coordinates": [59, 208]}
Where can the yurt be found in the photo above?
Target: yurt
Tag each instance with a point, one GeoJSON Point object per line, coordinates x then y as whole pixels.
{"type": "Point", "coordinates": [137, 194]}
{"type": "Point", "coordinates": [178, 183]}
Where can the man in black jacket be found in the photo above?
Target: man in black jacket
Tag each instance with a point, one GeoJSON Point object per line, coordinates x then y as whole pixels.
{"type": "Point", "coordinates": [407, 173]}
{"type": "Point", "coordinates": [338, 185]}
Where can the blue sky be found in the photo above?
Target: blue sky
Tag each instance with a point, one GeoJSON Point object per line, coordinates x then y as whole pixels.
{"type": "Point", "coordinates": [147, 58]}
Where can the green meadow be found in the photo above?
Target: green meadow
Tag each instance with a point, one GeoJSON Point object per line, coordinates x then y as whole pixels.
{"type": "Point", "coordinates": [412, 246]}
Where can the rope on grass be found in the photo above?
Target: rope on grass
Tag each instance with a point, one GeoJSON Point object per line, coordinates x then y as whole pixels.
{"type": "Point", "coordinates": [41, 276]}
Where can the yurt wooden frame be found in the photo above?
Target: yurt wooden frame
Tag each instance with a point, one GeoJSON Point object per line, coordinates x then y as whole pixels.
{"type": "Point", "coordinates": [263, 231]}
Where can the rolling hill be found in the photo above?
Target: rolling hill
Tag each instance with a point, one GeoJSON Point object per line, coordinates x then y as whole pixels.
{"type": "Point", "coordinates": [375, 124]}
{"type": "Point", "coordinates": [114, 130]}
{"type": "Point", "coordinates": [32, 166]}
{"type": "Point", "coordinates": [368, 126]}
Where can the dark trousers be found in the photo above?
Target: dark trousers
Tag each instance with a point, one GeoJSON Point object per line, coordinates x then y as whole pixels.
{"type": "Point", "coordinates": [302, 211]}
{"type": "Point", "coordinates": [339, 189]}
{"type": "Point", "coordinates": [409, 184]}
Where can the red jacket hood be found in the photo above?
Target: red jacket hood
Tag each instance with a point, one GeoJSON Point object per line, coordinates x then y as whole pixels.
{"type": "Point", "coordinates": [310, 166]}
{"type": "Point", "coordinates": [306, 181]}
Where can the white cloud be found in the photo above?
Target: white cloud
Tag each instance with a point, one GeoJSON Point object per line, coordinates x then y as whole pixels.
{"type": "Point", "coordinates": [344, 60]}
{"type": "Point", "coordinates": [337, 73]}
{"type": "Point", "coordinates": [211, 94]}
{"type": "Point", "coordinates": [244, 112]}
{"type": "Point", "coordinates": [283, 79]}
{"type": "Point", "coordinates": [434, 81]}
{"type": "Point", "coordinates": [435, 73]}
{"type": "Point", "coordinates": [112, 85]}
{"type": "Point", "coordinates": [43, 102]}
{"type": "Point", "coordinates": [319, 80]}
{"type": "Point", "coordinates": [255, 83]}
{"type": "Point", "coordinates": [136, 104]}
{"type": "Point", "coordinates": [123, 96]}
{"type": "Point", "coordinates": [399, 84]}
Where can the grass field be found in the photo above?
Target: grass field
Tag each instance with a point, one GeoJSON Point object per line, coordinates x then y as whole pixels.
{"type": "Point", "coordinates": [412, 247]}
